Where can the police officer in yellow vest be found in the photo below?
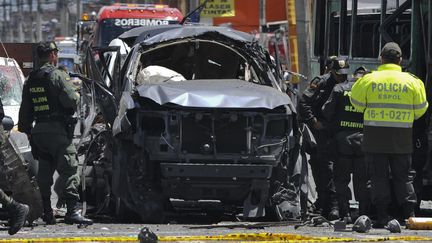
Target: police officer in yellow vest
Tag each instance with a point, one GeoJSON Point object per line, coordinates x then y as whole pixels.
{"type": "Point", "coordinates": [49, 100]}
{"type": "Point", "coordinates": [390, 100]}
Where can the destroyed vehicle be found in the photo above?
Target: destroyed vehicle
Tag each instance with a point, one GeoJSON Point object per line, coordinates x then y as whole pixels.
{"type": "Point", "coordinates": [202, 116]}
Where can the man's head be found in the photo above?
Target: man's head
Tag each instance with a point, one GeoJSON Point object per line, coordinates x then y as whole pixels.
{"type": "Point", "coordinates": [338, 68]}
{"type": "Point", "coordinates": [358, 73]}
{"type": "Point", "coordinates": [47, 52]}
{"type": "Point", "coordinates": [391, 53]}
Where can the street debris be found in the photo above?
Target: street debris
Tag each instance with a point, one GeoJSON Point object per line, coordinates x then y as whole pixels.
{"type": "Point", "coordinates": [315, 221]}
{"type": "Point", "coordinates": [246, 225]}
{"type": "Point", "coordinates": [362, 224]}
{"type": "Point", "coordinates": [147, 236]}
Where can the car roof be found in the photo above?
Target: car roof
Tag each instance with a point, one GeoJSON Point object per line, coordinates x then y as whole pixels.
{"type": "Point", "coordinates": [148, 35]}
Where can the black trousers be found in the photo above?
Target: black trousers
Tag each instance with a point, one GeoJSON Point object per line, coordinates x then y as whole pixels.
{"type": "Point", "coordinates": [419, 160]}
{"type": "Point", "coordinates": [398, 166]}
{"type": "Point", "coordinates": [343, 167]}
{"type": "Point", "coordinates": [321, 162]}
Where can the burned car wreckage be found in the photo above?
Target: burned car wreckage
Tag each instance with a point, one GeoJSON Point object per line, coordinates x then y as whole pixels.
{"type": "Point", "coordinates": [195, 113]}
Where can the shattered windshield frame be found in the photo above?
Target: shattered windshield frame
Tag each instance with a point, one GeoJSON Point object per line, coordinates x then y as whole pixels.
{"type": "Point", "coordinates": [11, 85]}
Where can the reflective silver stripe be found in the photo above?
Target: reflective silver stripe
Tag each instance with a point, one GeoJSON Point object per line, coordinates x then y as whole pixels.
{"type": "Point", "coordinates": [392, 106]}
{"type": "Point", "coordinates": [356, 102]}
{"type": "Point", "coordinates": [420, 106]}
{"type": "Point", "coordinates": [388, 124]}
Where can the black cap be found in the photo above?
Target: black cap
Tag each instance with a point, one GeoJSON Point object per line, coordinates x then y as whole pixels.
{"type": "Point", "coordinates": [44, 47]}
{"type": "Point", "coordinates": [391, 50]}
{"type": "Point", "coordinates": [339, 65]}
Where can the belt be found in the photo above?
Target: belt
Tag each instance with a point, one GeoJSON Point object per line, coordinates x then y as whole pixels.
{"type": "Point", "coordinates": [49, 118]}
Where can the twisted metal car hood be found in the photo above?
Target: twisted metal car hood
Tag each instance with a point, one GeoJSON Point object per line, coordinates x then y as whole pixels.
{"type": "Point", "coordinates": [215, 93]}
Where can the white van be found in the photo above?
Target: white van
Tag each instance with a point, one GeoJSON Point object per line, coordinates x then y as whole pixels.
{"type": "Point", "coordinates": [11, 87]}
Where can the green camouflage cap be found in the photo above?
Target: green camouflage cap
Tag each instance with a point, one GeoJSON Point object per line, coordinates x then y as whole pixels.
{"type": "Point", "coordinates": [44, 47]}
{"type": "Point", "coordinates": [391, 50]}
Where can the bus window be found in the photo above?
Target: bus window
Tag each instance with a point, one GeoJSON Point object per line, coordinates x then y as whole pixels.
{"type": "Point", "coordinates": [367, 28]}
{"type": "Point", "coordinates": [366, 36]}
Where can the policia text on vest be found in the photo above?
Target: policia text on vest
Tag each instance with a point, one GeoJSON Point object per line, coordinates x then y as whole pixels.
{"type": "Point", "coordinates": [394, 102]}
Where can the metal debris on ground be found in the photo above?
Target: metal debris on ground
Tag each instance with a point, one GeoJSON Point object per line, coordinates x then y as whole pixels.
{"type": "Point", "coordinates": [314, 221]}
{"type": "Point", "coordinates": [393, 226]}
{"type": "Point", "coordinates": [362, 224]}
{"type": "Point", "coordinates": [247, 225]}
{"type": "Point", "coordinates": [147, 236]}
{"type": "Point", "coordinates": [82, 226]}
{"type": "Point", "coordinates": [340, 225]}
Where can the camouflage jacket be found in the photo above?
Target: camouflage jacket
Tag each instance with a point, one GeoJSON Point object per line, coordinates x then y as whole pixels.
{"type": "Point", "coordinates": [47, 89]}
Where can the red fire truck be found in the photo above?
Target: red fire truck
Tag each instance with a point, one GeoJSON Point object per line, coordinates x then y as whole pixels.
{"type": "Point", "coordinates": [115, 19]}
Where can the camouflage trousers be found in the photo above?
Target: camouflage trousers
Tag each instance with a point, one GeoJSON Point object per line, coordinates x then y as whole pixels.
{"type": "Point", "coordinates": [56, 152]}
{"type": "Point", "coordinates": [4, 199]}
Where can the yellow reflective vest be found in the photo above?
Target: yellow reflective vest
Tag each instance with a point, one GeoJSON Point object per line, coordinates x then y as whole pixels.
{"type": "Point", "coordinates": [389, 97]}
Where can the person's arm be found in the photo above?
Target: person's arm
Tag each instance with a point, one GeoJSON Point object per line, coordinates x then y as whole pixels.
{"type": "Point", "coordinates": [309, 95]}
{"type": "Point", "coordinates": [329, 107]}
{"type": "Point", "coordinates": [358, 96]}
{"type": "Point", "coordinates": [420, 101]}
{"type": "Point", "coordinates": [25, 116]}
{"type": "Point", "coordinates": [68, 97]}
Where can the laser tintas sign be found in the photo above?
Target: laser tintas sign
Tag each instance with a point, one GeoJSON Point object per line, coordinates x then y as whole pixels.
{"type": "Point", "coordinates": [218, 8]}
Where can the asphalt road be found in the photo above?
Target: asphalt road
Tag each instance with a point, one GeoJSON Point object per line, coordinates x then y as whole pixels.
{"type": "Point", "coordinates": [188, 224]}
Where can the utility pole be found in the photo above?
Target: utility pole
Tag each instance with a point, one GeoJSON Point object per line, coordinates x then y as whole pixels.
{"type": "Point", "coordinates": [20, 21]}
{"type": "Point", "coordinates": [4, 21]}
{"type": "Point", "coordinates": [64, 18]}
{"type": "Point", "coordinates": [79, 10]}
{"type": "Point", "coordinates": [304, 11]}
{"type": "Point", "coordinates": [262, 19]}
{"type": "Point", "coordinates": [30, 23]}
{"type": "Point", "coordinates": [39, 13]}
{"type": "Point", "coordinates": [10, 30]}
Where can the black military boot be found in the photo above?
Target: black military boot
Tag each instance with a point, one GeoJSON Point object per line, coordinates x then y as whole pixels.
{"type": "Point", "coordinates": [408, 210]}
{"type": "Point", "coordinates": [333, 214]}
{"type": "Point", "coordinates": [73, 215]}
{"type": "Point", "coordinates": [48, 216]}
{"type": "Point", "coordinates": [382, 218]}
{"type": "Point", "coordinates": [17, 216]}
{"type": "Point", "coordinates": [344, 212]}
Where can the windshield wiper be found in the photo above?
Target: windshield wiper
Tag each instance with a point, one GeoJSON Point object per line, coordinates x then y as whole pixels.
{"type": "Point", "coordinates": [198, 9]}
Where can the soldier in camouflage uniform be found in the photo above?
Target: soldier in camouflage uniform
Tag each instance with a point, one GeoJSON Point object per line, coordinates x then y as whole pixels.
{"type": "Point", "coordinates": [50, 101]}
{"type": "Point", "coordinates": [17, 212]}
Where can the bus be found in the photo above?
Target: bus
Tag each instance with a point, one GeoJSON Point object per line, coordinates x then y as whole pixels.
{"type": "Point", "coordinates": [357, 30]}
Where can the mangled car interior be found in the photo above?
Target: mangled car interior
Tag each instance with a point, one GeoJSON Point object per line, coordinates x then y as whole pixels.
{"type": "Point", "coordinates": [201, 115]}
